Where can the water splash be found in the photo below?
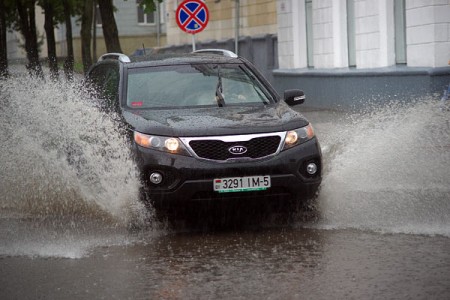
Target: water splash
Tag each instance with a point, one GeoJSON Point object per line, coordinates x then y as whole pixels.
{"type": "Point", "coordinates": [389, 170]}
{"type": "Point", "coordinates": [60, 155]}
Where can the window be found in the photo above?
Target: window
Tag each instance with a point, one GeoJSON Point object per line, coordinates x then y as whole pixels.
{"type": "Point", "coordinates": [144, 18]}
{"type": "Point", "coordinates": [400, 31]}
{"type": "Point", "coordinates": [105, 79]}
{"type": "Point", "coordinates": [351, 44]}
{"type": "Point", "coordinates": [309, 34]}
{"type": "Point", "coordinates": [149, 18]}
{"type": "Point", "coordinates": [194, 85]}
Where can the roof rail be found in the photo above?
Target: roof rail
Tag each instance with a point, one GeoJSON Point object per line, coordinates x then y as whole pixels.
{"type": "Point", "coordinates": [117, 56]}
{"type": "Point", "coordinates": [218, 52]}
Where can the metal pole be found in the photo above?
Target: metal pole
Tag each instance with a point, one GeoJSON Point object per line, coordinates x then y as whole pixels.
{"type": "Point", "coordinates": [237, 25]}
{"type": "Point", "coordinates": [158, 25]}
{"type": "Point", "coordinates": [193, 42]}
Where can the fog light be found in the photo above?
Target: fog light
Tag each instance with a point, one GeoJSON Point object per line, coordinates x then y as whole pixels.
{"type": "Point", "coordinates": [156, 178]}
{"type": "Point", "coordinates": [311, 168]}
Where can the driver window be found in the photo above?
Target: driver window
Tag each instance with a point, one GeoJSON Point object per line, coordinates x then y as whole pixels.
{"type": "Point", "coordinates": [105, 80]}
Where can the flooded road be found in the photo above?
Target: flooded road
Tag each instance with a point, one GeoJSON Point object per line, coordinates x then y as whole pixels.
{"type": "Point", "coordinates": [294, 263]}
{"type": "Point", "coordinates": [71, 226]}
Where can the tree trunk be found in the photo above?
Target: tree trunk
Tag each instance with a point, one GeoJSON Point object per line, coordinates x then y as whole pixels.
{"type": "Point", "coordinates": [94, 32]}
{"type": "Point", "coordinates": [86, 25]}
{"type": "Point", "coordinates": [3, 45]}
{"type": "Point", "coordinates": [51, 42]}
{"type": "Point", "coordinates": [27, 25]}
{"type": "Point", "coordinates": [110, 32]}
{"type": "Point", "coordinates": [68, 63]}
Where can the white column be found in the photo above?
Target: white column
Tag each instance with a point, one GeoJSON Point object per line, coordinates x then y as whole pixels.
{"type": "Point", "coordinates": [387, 33]}
{"type": "Point", "coordinates": [340, 55]}
{"type": "Point", "coordinates": [299, 33]}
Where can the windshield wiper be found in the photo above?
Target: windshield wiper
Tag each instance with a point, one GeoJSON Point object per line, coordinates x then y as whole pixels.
{"type": "Point", "coordinates": [219, 90]}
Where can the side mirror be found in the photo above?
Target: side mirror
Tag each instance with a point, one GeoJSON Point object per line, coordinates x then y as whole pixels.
{"type": "Point", "coordinates": [294, 97]}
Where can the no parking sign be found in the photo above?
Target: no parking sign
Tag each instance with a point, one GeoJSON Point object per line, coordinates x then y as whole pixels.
{"type": "Point", "coordinates": [192, 16]}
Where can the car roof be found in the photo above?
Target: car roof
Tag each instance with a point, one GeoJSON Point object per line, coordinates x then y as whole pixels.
{"type": "Point", "coordinates": [179, 58]}
{"type": "Point", "coordinates": [159, 59]}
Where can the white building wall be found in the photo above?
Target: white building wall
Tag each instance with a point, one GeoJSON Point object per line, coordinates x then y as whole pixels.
{"type": "Point", "coordinates": [291, 34]}
{"type": "Point", "coordinates": [285, 33]}
{"type": "Point", "coordinates": [322, 20]}
{"type": "Point", "coordinates": [340, 44]}
{"type": "Point", "coordinates": [329, 34]}
{"type": "Point", "coordinates": [428, 32]}
{"type": "Point", "coordinates": [374, 31]}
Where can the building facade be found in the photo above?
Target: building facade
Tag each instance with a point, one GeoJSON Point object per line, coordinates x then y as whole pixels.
{"type": "Point", "coordinates": [348, 52]}
{"type": "Point", "coordinates": [341, 52]}
{"type": "Point", "coordinates": [255, 17]}
{"type": "Point", "coordinates": [363, 33]}
{"type": "Point", "coordinates": [136, 29]}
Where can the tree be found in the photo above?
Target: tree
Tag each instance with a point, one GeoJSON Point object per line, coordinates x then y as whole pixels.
{"type": "Point", "coordinates": [68, 63]}
{"type": "Point", "coordinates": [87, 16]}
{"type": "Point", "coordinates": [3, 45]}
{"type": "Point", "coordinates": [110, 32]}
{"type": "Point", "coordinates": [149, 5]}
{"type": "Point", "coordinates": [49, 7]}
{"type": "Point", "coordinates": [26, 24]}
{"type": "Point", "coordinates": [109, 26]}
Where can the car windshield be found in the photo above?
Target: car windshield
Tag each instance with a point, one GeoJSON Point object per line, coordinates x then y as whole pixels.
{"type": "Point", "coordinates": [194, 85]}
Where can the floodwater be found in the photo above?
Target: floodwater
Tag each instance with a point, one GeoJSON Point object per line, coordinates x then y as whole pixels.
{"type": "Point", "coordinates": [71, 225]}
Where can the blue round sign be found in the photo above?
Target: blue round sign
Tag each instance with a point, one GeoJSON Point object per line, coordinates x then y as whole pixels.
{"type": "Point", "coordinates": [192, 16]}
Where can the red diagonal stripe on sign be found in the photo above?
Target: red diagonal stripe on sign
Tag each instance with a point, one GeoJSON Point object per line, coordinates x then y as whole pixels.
{"type": "Point", "coordinates": [193, 15]}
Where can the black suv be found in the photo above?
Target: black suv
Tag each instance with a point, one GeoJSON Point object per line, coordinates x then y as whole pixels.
{"type": "Point", "coordinates": [208, 126]}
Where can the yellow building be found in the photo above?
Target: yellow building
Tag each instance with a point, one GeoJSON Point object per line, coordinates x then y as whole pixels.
{"type": "Point", "coordinates": [256, 17]}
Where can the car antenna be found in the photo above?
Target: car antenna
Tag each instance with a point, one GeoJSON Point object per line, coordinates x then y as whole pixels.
{"type": "Point", "coordinates": [143, 48]}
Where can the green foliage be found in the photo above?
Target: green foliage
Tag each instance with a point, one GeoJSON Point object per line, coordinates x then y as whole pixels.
{"type": "Point", "coordinates": [78, 68]}
{"type": "Point", "coordinates": [149, 5]}
{"type": "Point", "coordinates": [10, 13]}
{"type": "Point", "coordinates": [58, 11]}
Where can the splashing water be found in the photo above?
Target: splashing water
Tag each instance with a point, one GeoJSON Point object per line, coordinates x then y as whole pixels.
{"type": "Point", "coordinates": [389, 170]}
{"type": "Point", "coordinates": [67, 183]}
{"type": "Point", "coordinates": [60, 155]}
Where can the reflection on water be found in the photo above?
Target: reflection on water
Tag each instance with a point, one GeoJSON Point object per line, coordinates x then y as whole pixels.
{"type": "Point", "coordinates": [266, 264]}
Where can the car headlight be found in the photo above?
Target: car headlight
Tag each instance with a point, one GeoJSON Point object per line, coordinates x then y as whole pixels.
{"type": "Point", "coordinates": [160, 143]}
{"type": "Point", "coordinates": [298, 136]}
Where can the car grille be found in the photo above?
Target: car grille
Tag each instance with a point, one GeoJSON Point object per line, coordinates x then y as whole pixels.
{"type": "Point", "coordinates": [218, 149]}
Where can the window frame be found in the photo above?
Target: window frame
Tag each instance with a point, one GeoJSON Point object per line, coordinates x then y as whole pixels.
{"type": "Point", "coordinates": [145, 16]}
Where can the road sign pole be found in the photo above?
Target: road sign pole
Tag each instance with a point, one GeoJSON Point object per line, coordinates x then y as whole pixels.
{"type": "Point", "coordinates": [193, 42]}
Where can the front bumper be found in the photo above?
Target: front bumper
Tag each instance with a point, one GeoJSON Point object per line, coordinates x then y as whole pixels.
{"type": "Point", "coordinates": [191, 179]}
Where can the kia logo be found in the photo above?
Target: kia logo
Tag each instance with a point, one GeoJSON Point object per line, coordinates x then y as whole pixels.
{"type": "Point", "coordinates": [237, 150]}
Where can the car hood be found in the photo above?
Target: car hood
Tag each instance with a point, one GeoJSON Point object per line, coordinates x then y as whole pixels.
{"type": "Point", "coordinates": [215, 120]}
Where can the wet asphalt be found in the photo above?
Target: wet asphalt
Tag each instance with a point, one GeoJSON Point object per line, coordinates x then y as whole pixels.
{"type": "Point", "coordinates": [62, 259]}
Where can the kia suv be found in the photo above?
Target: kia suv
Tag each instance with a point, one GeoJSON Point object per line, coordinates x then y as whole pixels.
{"type": "Point", "coordinates": [207, 126]}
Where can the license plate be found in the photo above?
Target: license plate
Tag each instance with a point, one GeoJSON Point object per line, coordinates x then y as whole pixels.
{"type": "Point", "coordinates": [241, 184]}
